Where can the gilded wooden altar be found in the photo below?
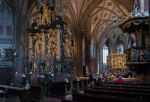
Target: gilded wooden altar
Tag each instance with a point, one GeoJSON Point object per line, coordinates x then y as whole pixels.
{"type": "Point", "coordinates": [117, 61]}
{"type": "Point", "coordinates": [50, 46]}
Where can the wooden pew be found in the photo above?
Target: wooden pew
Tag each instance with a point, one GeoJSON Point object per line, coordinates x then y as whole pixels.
{"type": "Point", "coordinates": [21, 92]}
{"type": "Point", "coordinates": [60, 88]}
{"type": "Point", "coordinates": [124, 89]}
{"type": "Point", "coordinates": [36, 94]}
{"type": "Point", "coordinates": [86, 97]}
{"type": "Point", "coordinates": [6, 75]}
{"type": "Point", "coordinates": [139, 95]}
{"type": "Point", "coordinates": [143, 86]}
{"type": "Point", "coordinates": [115, 93]}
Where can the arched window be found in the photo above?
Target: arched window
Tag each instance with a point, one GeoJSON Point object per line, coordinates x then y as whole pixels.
{"type": "Point", "coordinates": [120, 49]}
{"type": "Point", "coordinates": [105, 54]}
{"type": "Point", "coordinates": [6, 20]}
{"type": "Point", "coordinates": [6, 26]}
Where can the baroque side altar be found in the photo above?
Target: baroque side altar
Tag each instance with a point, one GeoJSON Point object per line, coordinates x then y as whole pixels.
{"type": "Point", "coordinates": [49, 44]}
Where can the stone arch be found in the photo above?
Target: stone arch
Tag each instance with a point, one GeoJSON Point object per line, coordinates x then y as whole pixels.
{"type": "Point", "coordinates": [81, 12]}
{"type": "Point", "coordinates": [105, 19]}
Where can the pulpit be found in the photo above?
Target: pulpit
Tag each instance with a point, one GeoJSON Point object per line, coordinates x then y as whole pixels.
{"type": "Point", "coordinates": [138, 56]}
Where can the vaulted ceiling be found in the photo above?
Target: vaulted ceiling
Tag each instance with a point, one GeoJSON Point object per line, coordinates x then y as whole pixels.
{"type": "Point", "coordinates": [96, 16]}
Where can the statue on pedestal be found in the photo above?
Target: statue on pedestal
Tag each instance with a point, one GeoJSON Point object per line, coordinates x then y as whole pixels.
{"type": "Point", "coordinates": [68, 44]}
{"type": "Point", "coordinates": [46, 14]}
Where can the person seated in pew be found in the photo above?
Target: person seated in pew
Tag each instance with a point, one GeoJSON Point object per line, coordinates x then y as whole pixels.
{"type": "Point", "coordinates": [120, 80]}
{"type": "Point", "coordinates": [101, 80]}
{"type": "Point", "coordinates": [91, 80]}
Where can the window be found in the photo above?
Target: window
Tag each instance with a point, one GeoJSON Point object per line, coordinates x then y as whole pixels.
{"type": "Point", "coordinates": [105, 54]}
{"type": "Point", "coordinates": [6, 20]}
{"type": "Point", "coordinates": [6, 26]}
{"type": "Point", "coordinates": [9, 30]}
{"type": "Point", "coordinates": [120, 49]}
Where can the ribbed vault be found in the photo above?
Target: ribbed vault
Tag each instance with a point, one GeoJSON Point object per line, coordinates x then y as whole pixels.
{"type": "Point", "coordinates": [80, 12]}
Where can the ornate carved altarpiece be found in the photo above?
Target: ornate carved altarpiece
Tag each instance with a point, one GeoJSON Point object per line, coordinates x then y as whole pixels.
{"type": "Point", "coordinates": [50, 44]}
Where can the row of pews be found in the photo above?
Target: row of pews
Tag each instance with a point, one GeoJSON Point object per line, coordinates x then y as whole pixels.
{"type": "Point", "coordinates": [82, 92]}
{"type": "Point", "coordinates": [7, 91]}
{"type": "Point", "coordinates": [115, 93]}
{"type": "Point", "coordinates": [62, 88]}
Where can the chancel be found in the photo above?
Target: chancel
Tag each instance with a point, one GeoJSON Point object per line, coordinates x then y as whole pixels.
{"type": "Point", "coordinates": [74, 50]}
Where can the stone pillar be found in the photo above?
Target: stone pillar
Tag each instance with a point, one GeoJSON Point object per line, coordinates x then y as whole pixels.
{"type": "Point", "coordinates": [83, 52]}
{"type": "Point", "coordinates": [149, 16]}
{"type": "Point", "coordinates": [101, 57]}
{"type": "Point", "coordinates": [141, 6]}
{"type": "Point", "coordinates": [78, 52]}
{"type": "Point", "coordinates": [97, 58]}
{"type": "Point", "coordinates": [149, 7]}
{"type": "Point", "coordinates": [87, 52]}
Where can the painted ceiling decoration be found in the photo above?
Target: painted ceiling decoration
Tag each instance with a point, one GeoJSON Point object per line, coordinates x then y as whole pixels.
{"type": "Point", "coordinates": [100, 14]}
{"type": "Point", "coordinates": [76, 6]}
{"type": "Point", "coordinates": [107, 13]}
{"type": "Point", "coordinates": [77, 11]}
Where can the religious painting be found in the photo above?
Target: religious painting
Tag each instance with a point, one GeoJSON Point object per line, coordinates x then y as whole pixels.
{"type": "Point", "coordinates": [147, 54]}
{"type": "Point", "coordinates": [139, 55]}
{"type": "Point", "coordinates": [117, 61]}
{"type": "Point", "coordinates": [134, 55]}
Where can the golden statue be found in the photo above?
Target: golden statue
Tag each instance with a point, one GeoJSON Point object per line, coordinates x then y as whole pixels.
{"type": "Point", "coordinates": [53, 43]}
{"type": "Point", "coordinates": [68, 44]}
{"type": "Point", "coordinates": [45, 16]}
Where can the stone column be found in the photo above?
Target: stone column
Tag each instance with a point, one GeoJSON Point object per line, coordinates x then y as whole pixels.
{"type": "Point", "coordinates": [101, 56]}
{"type": "Point", "coordinates": [83, 52]}
{"type": "Point", "coordinates": [149, 16]}
{"type": "Point", "coordinates": [149, 7]}
{"type": "Point", "coordinates": [142, 6]}
{"type": "Point", "coordinates": [78, 52]}
{"type": "Point", "coordinates": [97, 58]}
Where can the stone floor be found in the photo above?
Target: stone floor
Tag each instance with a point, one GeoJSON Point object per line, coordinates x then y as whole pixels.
{"type": "Point", "coordinates": [45, 99]}
{"type": "Point", "coordinates": [10, 99]}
